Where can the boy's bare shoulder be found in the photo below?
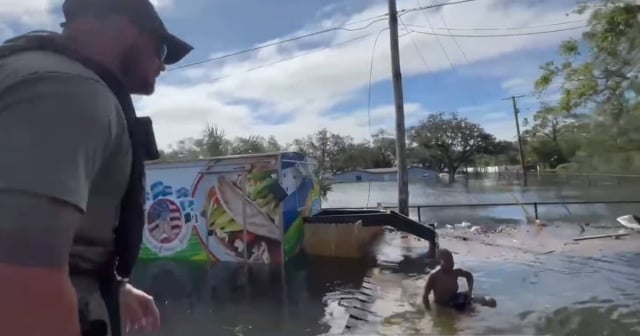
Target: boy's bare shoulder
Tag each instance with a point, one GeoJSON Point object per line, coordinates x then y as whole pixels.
{"type": "Point", "coordinates": [434, 273]}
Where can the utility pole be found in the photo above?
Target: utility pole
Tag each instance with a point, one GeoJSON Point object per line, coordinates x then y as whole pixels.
{"type": "Point", "coordinates": [521, 149]}
{"type": "Point", "coordinates": [401, 146]}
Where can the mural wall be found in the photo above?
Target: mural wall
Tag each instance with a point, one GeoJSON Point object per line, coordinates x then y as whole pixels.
{"type": "Point", "coordinates": [229, 209]}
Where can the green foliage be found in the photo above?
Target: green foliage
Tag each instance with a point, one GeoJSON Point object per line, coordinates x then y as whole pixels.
{"type": "Point", "coordinates": [335, 153]}
{"type": "Point", "coordinates": [450, 141]}
{"type": "Point", "coordinates": [594, 127]}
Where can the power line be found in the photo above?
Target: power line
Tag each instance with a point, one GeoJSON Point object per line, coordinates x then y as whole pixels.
{"type": "Point", "coordinates": [407, 11]}
{"type": "Point", "coordinates": [373, 54]}
{"type": "Point", "coordinates": [444, 50]}
{"type": "Point", "coordinates": [500, 35]}
{"type": "Point", "coordinates": [455, 40]}
{"type": "Point", "coordinates": [415, 45]}
{"type": "Point", "coordinates": [345, 43]}
{"type": "Point", "coordinates": [373, 19]}
{"type": "Point", "coordinates": [272, 44]}
{"type": "Point", "coordinates": [509, 28]}
{"type": "Point", "coordinates": [351, 41]}
{"type": "Point", "coordinates": [339, 44]}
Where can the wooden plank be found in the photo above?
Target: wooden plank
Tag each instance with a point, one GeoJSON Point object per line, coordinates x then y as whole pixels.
{"type": "Point", "coordinates": [611, 235]}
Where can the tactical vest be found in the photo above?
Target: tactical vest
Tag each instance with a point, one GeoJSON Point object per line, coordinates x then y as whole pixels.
{"type": "Point", "coordinates": [128, 232]}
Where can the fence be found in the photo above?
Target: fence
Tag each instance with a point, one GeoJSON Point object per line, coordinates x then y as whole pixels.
{"type": "Point", "coordinates": [565, 178]}
{"type": "Point", "coordinates": [535, 205]}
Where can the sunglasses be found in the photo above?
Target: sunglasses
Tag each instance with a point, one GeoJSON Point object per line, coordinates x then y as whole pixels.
{"type": "Point", "coordinates": [161, 52]}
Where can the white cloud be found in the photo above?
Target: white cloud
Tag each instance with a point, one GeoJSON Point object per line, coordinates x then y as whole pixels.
{"type": "Point", "coordinates": [306, 85]}
{"type": "Point", "coordinates": [29, 12]}
{"type": "Point", "coordinates": [308, 88]}
{"type": "Point", "coordinates": [44, 14]}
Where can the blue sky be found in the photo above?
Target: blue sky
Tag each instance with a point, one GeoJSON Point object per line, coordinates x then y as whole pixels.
{"type": "Point", "coordinates": [303, 86]}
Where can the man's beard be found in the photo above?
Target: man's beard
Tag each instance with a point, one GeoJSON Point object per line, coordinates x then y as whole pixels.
{"type": "Point", "coordinates": [132, 76]}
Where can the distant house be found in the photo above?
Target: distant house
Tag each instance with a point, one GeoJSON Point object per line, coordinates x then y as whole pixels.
{"type": "Point", "coordinates": [384, 175]}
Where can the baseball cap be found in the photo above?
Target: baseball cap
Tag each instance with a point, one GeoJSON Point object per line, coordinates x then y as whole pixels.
{"type": "Point", "coordinates": [141, 13]}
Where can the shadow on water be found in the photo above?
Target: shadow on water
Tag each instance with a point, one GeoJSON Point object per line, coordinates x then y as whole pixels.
{"type": "Point", "coordinates": [236, 299]}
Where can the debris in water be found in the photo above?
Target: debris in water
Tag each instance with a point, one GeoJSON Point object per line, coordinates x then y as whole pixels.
{"type": "Point", "coordinates": [463, 225]}
{"type": "Point", "coordinates": [478, 230]}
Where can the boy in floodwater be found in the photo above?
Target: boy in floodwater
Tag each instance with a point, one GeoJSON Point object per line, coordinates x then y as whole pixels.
{"type": "Point", "coordinates": [443, 281]}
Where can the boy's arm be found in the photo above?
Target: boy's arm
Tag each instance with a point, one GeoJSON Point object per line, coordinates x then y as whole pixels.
{"type": "Point", "coordinates": [469, 277]}
{"type": "Point", "coordinates": [427, 290]}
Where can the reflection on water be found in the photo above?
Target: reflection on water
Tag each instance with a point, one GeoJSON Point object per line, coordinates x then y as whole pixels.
{"type": "Point", "coordinates": [542, 295]}
{"type": "Point", "coordinates": [237, 299]}
{"type": "Point", "coordinates": [545, 295]}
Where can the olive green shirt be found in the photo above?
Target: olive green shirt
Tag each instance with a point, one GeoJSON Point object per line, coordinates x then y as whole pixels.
{"type": "Point", "coordinates": [63, 135]}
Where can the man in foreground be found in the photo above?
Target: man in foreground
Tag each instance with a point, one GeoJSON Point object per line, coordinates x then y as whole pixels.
{"type": "Point", "coordinates": [72, 169]}
{"type": "Point", "coordinates": [443, 282]}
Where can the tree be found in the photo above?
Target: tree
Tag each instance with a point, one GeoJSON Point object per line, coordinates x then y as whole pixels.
{"type": "Point", "coordinates": [214, 141]}
{"type": "Point", "coordinates": [599, 85]}
{"type": "Point", "coordinates": [452, 139]}
{"type": "Point", "coordinates": [498, 153]}
{"type": "Point", "coordinates": [253, 144]}
{"type": "Point", "coordinates": [184, 149]}
{"type": "Point", "coordinates": [337, 153]}
{"type": "Point", "coordinates": [550, 125]}
{"type": "Point", "coordinates": [424, 157]}
{"type": "Point", "coordinates": [383, 151]}
{"type": "Point", "coordinates": [273, 145]}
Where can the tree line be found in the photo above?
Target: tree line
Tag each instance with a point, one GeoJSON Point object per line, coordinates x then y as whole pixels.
{"type": "Point", "coordinates": [594, 127]}
{"type": "Point", "coordinates": [444, 142]}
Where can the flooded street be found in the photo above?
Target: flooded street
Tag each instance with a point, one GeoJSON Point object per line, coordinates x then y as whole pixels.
{"type": "Point", "coordinates": [539, 294]}
{"type": "Point", "coordinates": [544, 284]}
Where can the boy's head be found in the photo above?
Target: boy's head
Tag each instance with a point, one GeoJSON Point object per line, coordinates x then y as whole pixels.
{"type": "Point", "coordinates": [446, 259]}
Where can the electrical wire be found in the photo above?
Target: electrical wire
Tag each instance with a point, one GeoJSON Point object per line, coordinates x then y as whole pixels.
{"type": "Point", "coordinates": [507, 28]}
{"type": "Point", "coordinates": [501, 35]}
{"type": "Point", "coordinates": [339, 44]}
{"type": "Point", "coordinates": [373, 54]}
{"type": "Point", "coordinates": [444, 51]}
{"type": "Point", "coordinates": [407, 11]}
{"type": "Point", "coordinates": [272, 44]}
{"type": "Point", "coordinates": [373, 19]}
{"type": "Point", "coordinates": [415, 45]}
{"type": "Point", "coordinates": [455, 40]}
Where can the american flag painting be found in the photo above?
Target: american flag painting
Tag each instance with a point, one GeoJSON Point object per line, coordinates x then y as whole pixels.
{"type": "Point", "coordinates": [165, 220]}
{"type": "Point", "coordinates": [182, 193]}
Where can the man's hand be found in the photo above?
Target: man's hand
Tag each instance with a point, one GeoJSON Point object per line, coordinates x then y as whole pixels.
{"type": "Point", "coordinates": [139, 311]}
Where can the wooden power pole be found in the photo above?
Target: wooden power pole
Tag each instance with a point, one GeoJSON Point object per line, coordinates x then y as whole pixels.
{"type": "Point", "coordinates": [520, 147]}
{"type": "Point", "coordinates": [401, 146]}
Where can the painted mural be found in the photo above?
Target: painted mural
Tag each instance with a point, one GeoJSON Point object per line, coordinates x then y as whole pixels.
{"type": "Point", "coordinates": [234, 209]}
{"type": "Point", "coordinates": [169, 221]}
{"type": "Point", "coordinates": [240, 208]}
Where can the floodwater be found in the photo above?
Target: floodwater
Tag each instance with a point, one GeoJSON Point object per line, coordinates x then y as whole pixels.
{"type": "Point", "coordinates": [541, 294]}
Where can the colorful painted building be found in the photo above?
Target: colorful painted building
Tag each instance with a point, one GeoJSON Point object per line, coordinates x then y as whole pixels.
{"type": "Point", "coordinates": [235, 208]}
